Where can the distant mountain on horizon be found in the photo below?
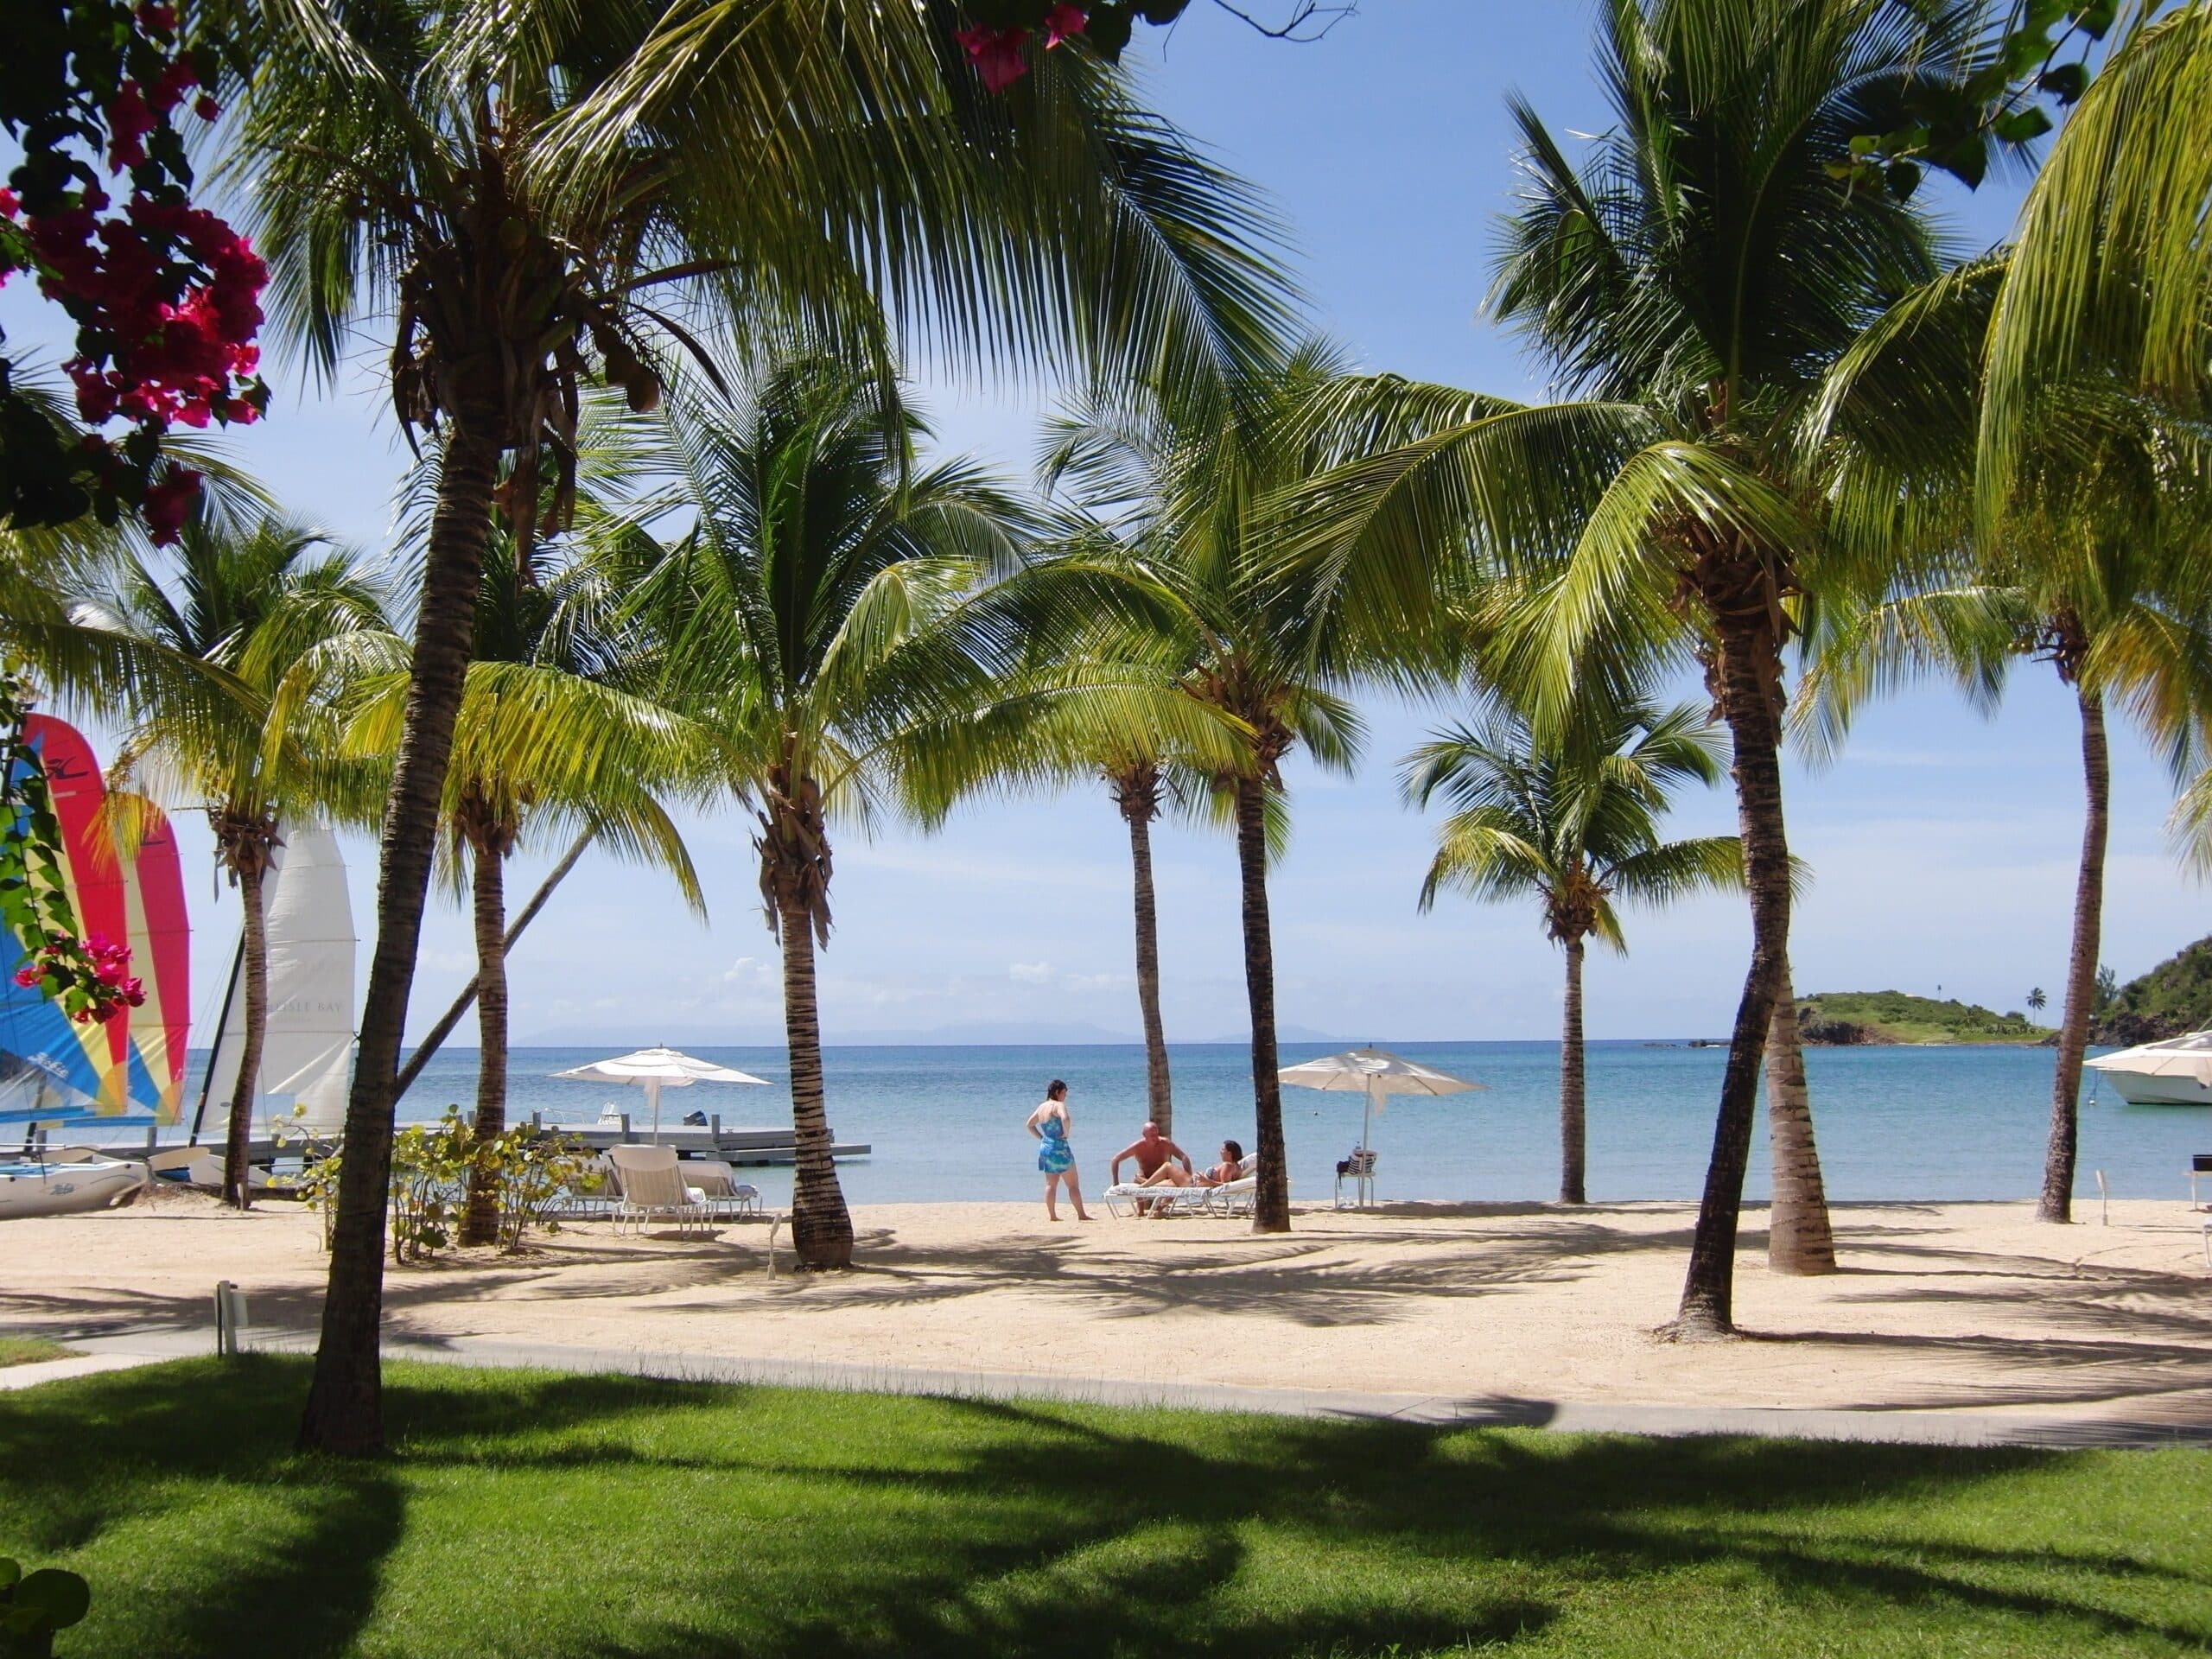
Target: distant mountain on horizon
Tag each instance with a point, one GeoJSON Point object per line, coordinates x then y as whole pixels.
{"type": "Point", "coordinates": [981, 1035]}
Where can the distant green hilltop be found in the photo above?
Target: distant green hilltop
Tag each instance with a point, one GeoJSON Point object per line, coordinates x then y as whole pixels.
{"type": "Point", "coordinates": [1839, 1018]}
{"type": "Point", "coordinates": [2174, 998]}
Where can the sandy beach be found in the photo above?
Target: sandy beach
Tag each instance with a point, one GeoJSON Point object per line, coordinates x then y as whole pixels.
{"type": "Point", "coordinates": [1939, 1306]}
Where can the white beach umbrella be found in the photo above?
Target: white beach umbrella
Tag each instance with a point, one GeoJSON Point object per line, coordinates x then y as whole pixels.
{"type": "Point", "coordinates": [1375, 1073]}
{"type": "Point", "coordinates": [656, 1069]}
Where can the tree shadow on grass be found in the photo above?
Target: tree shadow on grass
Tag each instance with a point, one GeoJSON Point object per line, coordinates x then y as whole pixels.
{"type": "Point", "coordinates": [668, 1521]}
{"type": "Point", "coordinates": [1144, 1535]}
{"type": "Point", "coordinates": [285, 1552]}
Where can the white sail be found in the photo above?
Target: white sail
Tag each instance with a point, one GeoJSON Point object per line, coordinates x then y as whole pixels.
{"type": "Point", "coordinates": [306, 1050]}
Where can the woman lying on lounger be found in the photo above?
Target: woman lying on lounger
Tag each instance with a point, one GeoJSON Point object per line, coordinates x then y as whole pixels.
{"type": "Point", "coordinates": [1230, 1168]}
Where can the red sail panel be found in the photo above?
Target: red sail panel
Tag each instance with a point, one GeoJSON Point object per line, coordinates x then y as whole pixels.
{"type": "Point", "coordinates": [93, 876]}
{"type": "Point", "coordinates": [161, 955]}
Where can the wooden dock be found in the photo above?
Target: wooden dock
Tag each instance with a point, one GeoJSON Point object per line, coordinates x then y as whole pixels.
{"type": "Point", "coordinates": [732, 1146]}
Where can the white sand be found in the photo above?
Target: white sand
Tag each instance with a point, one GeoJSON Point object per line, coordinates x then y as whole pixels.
{"type": "Point", "coordinates": [1938, 1306]}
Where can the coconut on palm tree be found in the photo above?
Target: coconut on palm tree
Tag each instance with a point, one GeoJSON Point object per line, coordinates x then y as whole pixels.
{"type": "Point", "coordinates": [250, 600]}
{"type": "Point", "coordinates": [528, 191]}
{"type": "Point", "coordinates": [1574, 824]}
{"type": "Point", "coordinates": [1693, 285]}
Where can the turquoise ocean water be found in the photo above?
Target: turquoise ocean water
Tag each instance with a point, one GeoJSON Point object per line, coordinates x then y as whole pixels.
{"type": "Point", "coordinates": [946, 1122]}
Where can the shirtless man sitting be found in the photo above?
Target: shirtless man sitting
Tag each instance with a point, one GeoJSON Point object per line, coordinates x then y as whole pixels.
{"type": "Point", "coordinates": [1153, 1152]}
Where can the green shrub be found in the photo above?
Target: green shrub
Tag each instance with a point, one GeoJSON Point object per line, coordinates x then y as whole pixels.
{"type": "Point", "coordinates": [430, 1167]}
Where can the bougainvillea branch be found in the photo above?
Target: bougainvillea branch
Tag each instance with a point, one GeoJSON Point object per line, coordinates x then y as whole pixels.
{"type": "Point", "coordinates": [165, 296]}
{"type": "Point", "coordinates": [1000, 31]}
{"type": "Point", "coordinates": [91, 978]}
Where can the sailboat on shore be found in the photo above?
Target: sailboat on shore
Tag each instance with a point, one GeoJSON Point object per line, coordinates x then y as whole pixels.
{"type": "Point", "coordinates": [127, 1070]}
{"type": "Point", "coordinates": [307, 1053]}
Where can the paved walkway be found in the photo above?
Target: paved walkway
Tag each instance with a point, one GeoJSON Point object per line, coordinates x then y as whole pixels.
{"type": "Point", "coordinates": [111, 1349]}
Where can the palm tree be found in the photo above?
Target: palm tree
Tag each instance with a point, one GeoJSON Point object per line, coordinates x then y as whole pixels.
{"type": "Point", "coordinates": [550, 740]}
{"type": "Point", "coordinates": [515, 186]}
{"type": "Point", "coordinates": [1575, 825]}
{"type": "Point", "coordinates": [2098, 571]}
{"type": "Point", "coordinates": [2036, 1001]}
{"type": "Point", "coordinates": [250, 600]}
{"type": "Point", "coordinates": [1694, 285]}
{"type": "Point", "coordinates": [2106, 288]}
{"type": "Point", "coordinates": [2107, 276]}
{"type": "Point", "coordinates": [1137, 785]}
{"type": "Point", "coordinates": [1185, 507]}
{"type": "Point", "coordinates": [811, 609]}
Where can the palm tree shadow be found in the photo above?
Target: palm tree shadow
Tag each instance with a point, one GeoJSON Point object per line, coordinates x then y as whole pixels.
{"type": "Point", "coordinates": [1014, 1528]}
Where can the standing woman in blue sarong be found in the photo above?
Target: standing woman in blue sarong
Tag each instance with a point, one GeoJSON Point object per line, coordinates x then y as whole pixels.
{"type": "Point", "coordinates": [1049, 1123]}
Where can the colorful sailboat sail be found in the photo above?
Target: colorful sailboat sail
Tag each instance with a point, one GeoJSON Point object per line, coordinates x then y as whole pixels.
{"type": "Point", "coordinates": [306, 1048]}
{"type": "Point", "coordinates": [160, 949]}
{"type": "Point", "coordinates": [134, 1062]}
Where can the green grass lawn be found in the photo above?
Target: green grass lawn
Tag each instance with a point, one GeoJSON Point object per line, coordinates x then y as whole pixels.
{"type": "Point", "coordinates": [29, 1350]}
{"type": "Point", "coordinates": [541, 1515]}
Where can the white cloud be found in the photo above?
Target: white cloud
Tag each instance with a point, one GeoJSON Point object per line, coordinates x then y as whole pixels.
{"type": "Point", "coordinates": [1032, 973]}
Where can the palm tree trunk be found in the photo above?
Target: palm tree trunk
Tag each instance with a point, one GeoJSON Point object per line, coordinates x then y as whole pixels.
{"type": "Point", "coordinates": [1158, 1093]}
{"type": "Point", "coordinates": [480, 1222]}
{"type": "Point", "coordinates": [434, 1038]}
{"type": "Point", "coordinates": [1572, 1097]}
{"type": "Point", "coordinates": [2057, 1202]}
{"type": "Point", "coordinates": [237, 1173]}
{"type": "Point", "coordinates": [345, 1409]}
{"type": "Point", "coordinates": [1746, 658]}
{"type": "Point", "coordinates": [1798, 1239]}
{"type": "Point", "coordinates": [822, 1228]}
{"type": "Point", "coordinates": [1271, 1202]}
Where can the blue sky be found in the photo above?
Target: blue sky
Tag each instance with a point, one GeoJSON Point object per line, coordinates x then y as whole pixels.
{"type": "Point", "coordinates": [1943, 845]}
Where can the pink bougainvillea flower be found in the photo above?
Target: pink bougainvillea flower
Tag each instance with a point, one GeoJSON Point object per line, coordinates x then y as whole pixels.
{"type": "Point", "coordinates": [1064, 22]}
{"type": "Point", "coordinates": [206, 107]}
{"type": "Point", "coordinates": [128, 120]}
{"type": "Point", "coordinates": [167, 502]}
{"type": "Point", "coordinates": [29, 974]}
{"type": "Point", "coordinates": [997, 54]}
{"type": "Point", "coordinates": [178, 78]}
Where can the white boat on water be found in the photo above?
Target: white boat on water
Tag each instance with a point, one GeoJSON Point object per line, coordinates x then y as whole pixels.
{"type": "Point", "coordinates": [2177, 1071]}
{"type": "Point", "coordinates": [51, 1187]}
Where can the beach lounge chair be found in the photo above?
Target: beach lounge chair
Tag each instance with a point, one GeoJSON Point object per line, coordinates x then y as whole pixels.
{"type": "Point", "coordinates": [599, 1202]}
{"type": "Point", "coordinates": [653, 1190]}
{"type": "Point", "coordinates": [2200, 1169]}
{"type": "Point", "coordinates": [1238, 1197]}
{"type": "Point", "coordinates": [724, 1193]}
{"type": "Point", "coordinates": [1232, 1198]}
{"type": "Point", "coordinates": [1123, 1198]}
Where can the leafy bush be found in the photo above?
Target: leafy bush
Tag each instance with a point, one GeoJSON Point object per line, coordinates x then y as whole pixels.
{"type": "Point", "coordinates": [430, 1167]}
{"type": "Point", "coordinates": [534, 1170]}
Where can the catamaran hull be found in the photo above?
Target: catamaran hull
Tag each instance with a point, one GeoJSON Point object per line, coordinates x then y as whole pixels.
{"type": "Point", "coordinates": [67, 1189]}
{"type": "Point", "coordinates": [2141, 1089]}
